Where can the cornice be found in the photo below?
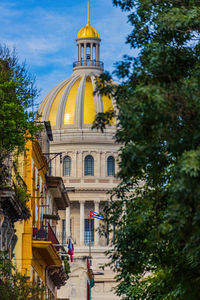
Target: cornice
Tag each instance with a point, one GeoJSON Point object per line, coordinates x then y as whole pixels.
{"type": "Point", "coordinates": [92, 190]}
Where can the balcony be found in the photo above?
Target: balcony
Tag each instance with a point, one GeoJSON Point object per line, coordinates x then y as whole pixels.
{"type": "Point", "coordinates": [88, 63]}
{"type": "Point", "coordinates": [43, 243]}
{"type": "Point", "coordinates": [45, 251]}
{"type": "Point", "coordinates": [13, 208]}
{"type": "Point", "coordinates": [57, 275]}
{"type": "Point", "coordinates": [56, 186]}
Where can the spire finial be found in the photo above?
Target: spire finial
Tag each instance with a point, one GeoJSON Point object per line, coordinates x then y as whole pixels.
{"type": "Point", "coordinates": [88, 16]}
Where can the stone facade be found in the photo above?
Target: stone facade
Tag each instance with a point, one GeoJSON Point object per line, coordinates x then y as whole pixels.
{"type": "Point", "coordinates": [87, 193]}
{"type": "Point", "coordinates": [71, 107]}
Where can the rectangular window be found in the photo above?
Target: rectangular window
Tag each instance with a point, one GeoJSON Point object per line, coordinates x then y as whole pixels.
{"type": "Point", "coordinates": [89, 231]}
{"type": "Point", "coordinates": [63, 231]}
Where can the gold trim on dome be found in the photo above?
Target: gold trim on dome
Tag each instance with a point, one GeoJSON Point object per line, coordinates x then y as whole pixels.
{"type": "Point", "coordinates": [107, 105]}
{"type": "Point", "coordinates": [69, 114]}
{"type": "Point", "coordinates": [43, 104]}
{"type": "Point", "coordinates": [55, 104]}
{"type": "Point", "coordinates": [89, 106]}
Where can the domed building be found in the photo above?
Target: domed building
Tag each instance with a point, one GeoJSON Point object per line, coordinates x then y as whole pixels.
{"type": "Point", "coordinates": [88, 165]}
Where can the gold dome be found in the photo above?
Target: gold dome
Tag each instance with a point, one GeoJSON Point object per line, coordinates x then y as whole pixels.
{"type": "Point", "coordinates": [88, 32]}
{"type": "Point", "coordinates": [73, 103]}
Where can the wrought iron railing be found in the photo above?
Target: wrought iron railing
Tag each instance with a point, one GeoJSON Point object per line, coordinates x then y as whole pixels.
{"type": "Point", "coordinates": [46, 233]}
{"type": "Point", "coordinates": [88, 63]}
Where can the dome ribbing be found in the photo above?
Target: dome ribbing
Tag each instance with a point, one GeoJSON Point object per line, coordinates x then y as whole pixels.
{"type": "Point", "coordinates": [72, 103]}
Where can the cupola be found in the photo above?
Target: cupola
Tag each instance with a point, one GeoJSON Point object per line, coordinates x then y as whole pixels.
{"type": "Point", "coordinates": [88, 32]}
{"type": "Point", "coordinates": [88, 48]}
{"type": "Point", "coordinates": [72, 104]}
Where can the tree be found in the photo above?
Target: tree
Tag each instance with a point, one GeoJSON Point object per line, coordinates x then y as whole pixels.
{"type": "Point", "coordinates": [14, 286]}
{"type": "Point", "coordinates": [157, 206]}
{"type": "Point", "coordinates": [17, 92]}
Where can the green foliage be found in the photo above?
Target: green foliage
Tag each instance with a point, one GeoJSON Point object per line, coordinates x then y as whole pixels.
{"type": "Point", "coordinates": [10, 179]}
{"type": "Point", "coordinates": [67, 266]}
{"type": "Point", "coordinates": [22, 197]}
{"type": "Point", "coordinates": [103, 119]}
{"type": "Point", "coordinates": [157, 206]}
{"type": "Point", "coordinates": [14, 286]}
{"type": "Point", "coordinates": [21, 194]}
{"type": "Point", "coordinates": [4, 175]}
{"type": "Point", "coordinates": [17, 91]}
{"type": "Point", "coordinates": [105, 86]}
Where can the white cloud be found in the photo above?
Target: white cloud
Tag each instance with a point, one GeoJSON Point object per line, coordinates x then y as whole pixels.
{"type": "Point", "coordinates": [44, 34]}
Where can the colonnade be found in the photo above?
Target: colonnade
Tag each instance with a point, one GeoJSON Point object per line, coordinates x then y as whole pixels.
{"type": "Point", "coordinates": [82, 220]}
{"type": "Point", "coordinates": [91, 46]}
{"type": "Point", "coordinates": [88, 57]}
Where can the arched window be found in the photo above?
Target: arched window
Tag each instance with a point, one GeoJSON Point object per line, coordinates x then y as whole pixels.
{"type": "Point", "coordinates": [67, 166]}
{"type": "Point", "coordinates": [110, 166]}
{"type": "Point", "coordinates": [89, 165]}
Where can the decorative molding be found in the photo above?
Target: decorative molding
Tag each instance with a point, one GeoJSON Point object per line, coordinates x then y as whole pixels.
{"type": "Point", "coordinates": [89, 180]}
{"type": "Point", "coordinates": [93, 190]}
{"type": "Point", "coordinates": [74, 181]}
{"type": "Point", "coordinates": [81, 201]}
{"type": "Point", "coordinates": [104, 180]}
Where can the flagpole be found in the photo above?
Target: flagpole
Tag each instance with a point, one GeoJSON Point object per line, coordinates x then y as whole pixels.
{"type": "Point", "coordinates": [90, 238]}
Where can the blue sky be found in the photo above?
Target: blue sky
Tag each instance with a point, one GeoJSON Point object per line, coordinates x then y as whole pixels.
{"type": "Point", "coordinates": [44, 33]}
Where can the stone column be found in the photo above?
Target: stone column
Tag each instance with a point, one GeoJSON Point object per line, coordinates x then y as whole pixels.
{"type": "Point", "coordinates": [98, 164]}
{"type": "Point", "coordinates": [100, 169]}
{"type": "Point", "coordinates": [82, 163]}
{"type": "Point", "coordinates": [96, 52]}
{"type": "Point", "coordinates": [96, 223]}
{"type": "Point", "coordinates": [85, 57]}
{"type": "Point", "coordinates": [79, 53]}
{"type": "Point", "coordinates": [75, 162]}
{"type": "Point", "coordinates": [91, 54]}
{"type": "Point", "coordinates": [68, 232]}
{"type": "Point", "coordinates": [104, 165]}
{"type": "Point", "coordinates": [82, 218]}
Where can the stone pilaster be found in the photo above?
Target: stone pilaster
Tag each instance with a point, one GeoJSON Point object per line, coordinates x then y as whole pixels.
{"type": "Point", "coordinates": [91, 53]}
{"type": "Point", "coordinates": [96, 223]}
{"type": "Point", "coordinates": [68, 233]}
{"type": "Point", "coordinates": [82, 218]}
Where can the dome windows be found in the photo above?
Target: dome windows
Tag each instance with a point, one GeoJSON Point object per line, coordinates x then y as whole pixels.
{"type": "Point", "coordinates": [110, 166]}
{"type": "Point", "coordinates": [89, 166]}
{"type": "Point", "coordinates": [67, 166]}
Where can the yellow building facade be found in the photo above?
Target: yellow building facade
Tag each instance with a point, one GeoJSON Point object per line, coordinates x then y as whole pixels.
{"type": "Point", "coordinates": [35, 251]}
